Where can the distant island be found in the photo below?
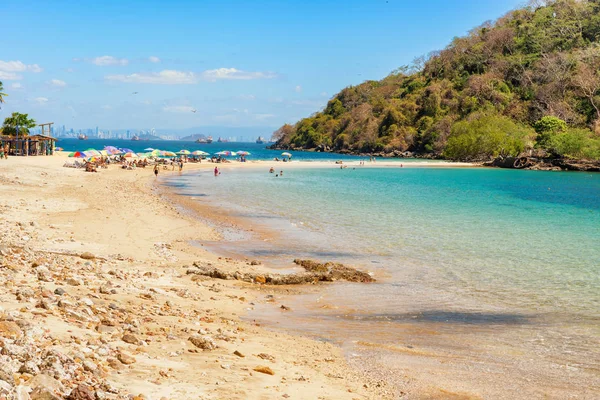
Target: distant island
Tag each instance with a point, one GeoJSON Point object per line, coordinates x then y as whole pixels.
{"type": "Point", "coordinates": [193, 138]}
{"type": "Point", "coordinates": [525, 86]}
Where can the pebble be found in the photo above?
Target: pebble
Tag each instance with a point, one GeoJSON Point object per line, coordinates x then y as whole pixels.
{"type": "Point", "coordinates": [203, 342]}
{"type": "Point", "coordinates": [264, 370]}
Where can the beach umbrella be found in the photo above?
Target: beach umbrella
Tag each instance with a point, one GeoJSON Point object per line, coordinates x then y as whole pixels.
{"type": "Point", "coordinates": [59, 149]}
{"type": "Point", "coordinates": [168, 154]}
{"type": "Point", "coordinates": [184, 152]}
{"type": "Point", "coordinates": [149, 149]}
{"type": "Point", "coordinates": [243, 153]}
{"type": "Point", "coordinates": [112, 150]}
{"type": "Point", "coordinates": [92, 153]}
{"type": "Point", "coordinates": [130, 154]}
{"type": "Point", "coordinates": [71, 154]}
{"type": "Point", "coordinates": [226, 153]}
{"type": "Point", "coordinates": [126, 150]}
{"type": "Point", "coordinates": [286, 154]}
{"type": "Point", "coordinates": [79, 154]}
{"type": "Point", "coordinates": [200, 153]}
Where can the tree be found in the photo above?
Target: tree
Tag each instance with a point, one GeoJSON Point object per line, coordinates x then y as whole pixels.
{"type": "Point", "coordinates": [548, 127]}
{"type": "Point", "coordinates": [17, 119]}
{"type": "Point", "coordinates": [485, 136]}
{"type": "Point", "coordinates": [2, 94]}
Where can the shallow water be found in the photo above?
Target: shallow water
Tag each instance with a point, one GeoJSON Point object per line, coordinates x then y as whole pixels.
{"type": "Point", "coordinates": [496, 269]}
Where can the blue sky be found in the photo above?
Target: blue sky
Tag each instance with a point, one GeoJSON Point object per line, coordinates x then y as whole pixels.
{"type": "Point", "coordinates": [237, 63]}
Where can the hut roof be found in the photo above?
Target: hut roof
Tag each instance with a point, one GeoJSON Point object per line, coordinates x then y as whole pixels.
{"type": "Point", "coordinates": [44, 137]}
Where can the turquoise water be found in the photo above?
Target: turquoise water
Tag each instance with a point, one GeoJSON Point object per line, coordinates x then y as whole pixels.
{"type": "Point", "coordinates": [509, 259]}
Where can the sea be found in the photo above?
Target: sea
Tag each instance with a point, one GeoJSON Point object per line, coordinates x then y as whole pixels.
{"type": "Point", "coordinates": [488, 280]}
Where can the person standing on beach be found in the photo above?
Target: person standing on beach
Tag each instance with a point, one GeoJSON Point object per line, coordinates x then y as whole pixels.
{"type": "Point", "coordinates": [181, 165]}
{"type": "Point", "coordinates": [156, 170]}
{"type": "Point", "coordinates": [217, 171]}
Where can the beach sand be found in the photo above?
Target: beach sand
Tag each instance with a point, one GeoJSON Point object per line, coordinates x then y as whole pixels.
{"type": "Point", "coordinates": [131, 297]}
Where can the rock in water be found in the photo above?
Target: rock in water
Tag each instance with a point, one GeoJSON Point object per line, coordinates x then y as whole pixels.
{"type": "Point", "coordinates": [264, 370]}
{"type": "Point", "coordinates": [82, 392]}
{"type": "Point", "coordinates": [203, 342]}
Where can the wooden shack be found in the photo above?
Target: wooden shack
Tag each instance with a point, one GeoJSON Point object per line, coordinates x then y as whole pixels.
{"type": "Point", "coordinates": [35, 145]}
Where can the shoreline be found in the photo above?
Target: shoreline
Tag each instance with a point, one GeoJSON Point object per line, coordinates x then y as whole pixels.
{"type": "Point", "coordinates": [143, 242]}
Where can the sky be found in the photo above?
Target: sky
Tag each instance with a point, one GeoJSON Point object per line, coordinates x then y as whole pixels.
{"type": "Point", "coordinates": [145, 64]}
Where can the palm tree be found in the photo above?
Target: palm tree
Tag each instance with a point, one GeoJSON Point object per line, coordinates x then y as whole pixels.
{"type": "Point", "coordinates": [2, 94]}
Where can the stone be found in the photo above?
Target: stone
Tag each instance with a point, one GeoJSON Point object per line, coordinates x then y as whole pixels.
{"type": "Point", "coordinates": [237, 353]}
{"type": "Point", "coordinates": [87, 256]}
{"type": "Point", "coordinates": [5, 388]}
{"type": "Point", "coordinates": [29, 367]}
{"type": "Point", "coordinates": [43, 393]}
{"type": "Point", "coordinates": [82, 392]}
{"type": "Point", "coordinates": [74, 281]}
{"type": "Point", "coordinates": [43, 380]}
{"type": "Point", "coordinates": [125, 358]}
{"type": "Point", "coordinates": [203, 342]}
{"type": "Point", "coordinates": [90, 366]}
{"type": "Point", "coordinates": [10, 329]}
{"type": "Point", "coordinates": [43, 274]}
{"type": "Point", "coordinates": [264, 370]}
{"type": "Point", "coordinates": [129, 338]}
{"type": "Point", "coordinates": [260, 279]}
{"type": "Point", "coordinates": [59, 291]}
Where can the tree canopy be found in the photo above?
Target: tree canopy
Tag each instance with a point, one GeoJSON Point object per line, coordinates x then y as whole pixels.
{"type": "Point", "coordinates": [22, 121]}
{"type": "Point", "coordinates": [2, 95]}
{"type": "Point", "coordinates": [533, 67]}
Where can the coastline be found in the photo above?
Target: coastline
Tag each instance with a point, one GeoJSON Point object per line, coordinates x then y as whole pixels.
{"type": "Point", "coordinates": [140, 246]}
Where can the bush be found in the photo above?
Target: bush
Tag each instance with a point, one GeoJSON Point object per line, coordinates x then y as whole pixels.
{"type": "Point", "coordinates": [486, 136]}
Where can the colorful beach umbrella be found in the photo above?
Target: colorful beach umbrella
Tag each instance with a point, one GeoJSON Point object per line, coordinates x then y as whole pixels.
{"type": "Point", "coordinates": [168, 154]}
{"type": "Point", "coordinates": [59, 149]}
{"type": "Point", "coordinates": [286, 154]}
{"type": "Point", "coordinates": [130, 154]}
{"type": "Point", "coordinates": [200, 153]}
{"type": "Point", "coordinates": [226, 153]}
{"type": "Point", "coordinates": [184, 152]}
{"type": "Point", "coordinates": [149, 149]}
{"type": "Point", "coordinates": [112, 150]}
{"type": "Point", "coordinates": [243, 153]}
{"type": "Point", "coordinates": [71, 154]}
{"type": "Point", "coordinates": [127, 150]}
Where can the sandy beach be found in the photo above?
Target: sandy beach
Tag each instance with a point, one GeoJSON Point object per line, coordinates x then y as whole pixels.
{"type": "Point", "coordinates": [94, 274]}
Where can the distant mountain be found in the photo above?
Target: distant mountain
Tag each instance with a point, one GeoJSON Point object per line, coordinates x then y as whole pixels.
{"type": "Point", "coordinates": [193, 138]}
{"type": "Point", "coordinates": [529, 81]}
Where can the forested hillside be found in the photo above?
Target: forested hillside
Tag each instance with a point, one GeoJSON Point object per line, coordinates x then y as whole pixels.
{"type": "Point", "coordinates": [530, 80]}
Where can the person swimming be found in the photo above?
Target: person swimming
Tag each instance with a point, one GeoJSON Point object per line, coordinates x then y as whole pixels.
{"type": "Point", "coordinates": [272, 170]}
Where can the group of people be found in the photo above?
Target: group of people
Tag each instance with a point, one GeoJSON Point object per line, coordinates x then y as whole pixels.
{"type": "Point", "coordinates": [272, 171]}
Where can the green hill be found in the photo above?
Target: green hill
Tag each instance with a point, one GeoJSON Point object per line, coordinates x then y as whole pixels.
{"type": "Point", "coordinates": [528, 81]}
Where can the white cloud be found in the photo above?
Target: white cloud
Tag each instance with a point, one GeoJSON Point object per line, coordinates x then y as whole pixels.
{"type": "Point", "coordinates": [108, 60]}
{"type": "Point", "coordinates": [154, 59]}
{"type": "Point", "coordinates": [178, 109]}
{"type": "Point", "coordinates": [248, 97]}
{"type": "Point", "coordinates": [16, 85]}
{"type": "Point", "coordinates": [166, 77]}
{"type": "Point", "coordinates": [9, 76]}
{"type": "Point", "coordinates": [324, 94]}
{"type": "Point", "coordinates": [262, 117]}
{"type": "Point", "coordinates": [57, 83]}
{"type": "Point", "coordinates": [235, 74]}
{"type": "Point", "coordinates": [40, 100]}
{"type": "Point", "coordinates": [18, 66]}
{"type": "Point", "coordinates": [298, 89]}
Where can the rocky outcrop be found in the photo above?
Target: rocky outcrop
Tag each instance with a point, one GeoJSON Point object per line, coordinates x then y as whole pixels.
{"type": "Point", "coordinates": [544, 164]}
{"type": "Point", "coordinates": [314, 272]}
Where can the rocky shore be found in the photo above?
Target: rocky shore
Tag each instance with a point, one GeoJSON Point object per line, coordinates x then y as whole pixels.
{"type": "Point", "coordinates": [97, 302]}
